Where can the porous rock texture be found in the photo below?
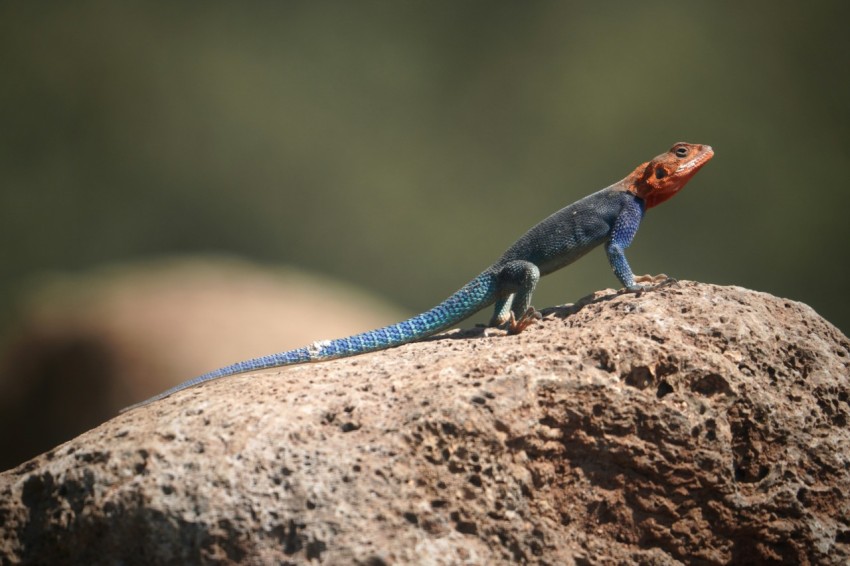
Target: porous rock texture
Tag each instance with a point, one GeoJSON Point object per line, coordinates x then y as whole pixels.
{"type": "Point", "coordinates": [695, 424]}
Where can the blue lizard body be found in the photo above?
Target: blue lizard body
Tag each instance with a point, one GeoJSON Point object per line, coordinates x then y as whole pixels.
{"type": "Point", "coordinates": [610, 216]}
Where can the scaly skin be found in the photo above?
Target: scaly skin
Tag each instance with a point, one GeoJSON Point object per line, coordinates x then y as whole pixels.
{"type": "Point", "coordinates": [610, 217]}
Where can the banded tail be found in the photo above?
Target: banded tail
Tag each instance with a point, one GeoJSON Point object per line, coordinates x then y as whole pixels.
{"type": "Point", "coordinates": [471, 298]}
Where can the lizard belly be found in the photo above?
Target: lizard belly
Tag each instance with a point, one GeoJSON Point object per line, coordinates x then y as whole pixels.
{"type": "Point", "coordinates": [568, 255]}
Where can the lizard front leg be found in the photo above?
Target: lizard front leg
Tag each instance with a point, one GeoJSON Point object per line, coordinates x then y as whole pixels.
{"type": "Point", "coordinates": [620, 265]}
{"type": "Point", "coordinates": [622, 233]}
{"type": "Point", "coordinates": [623, 271]}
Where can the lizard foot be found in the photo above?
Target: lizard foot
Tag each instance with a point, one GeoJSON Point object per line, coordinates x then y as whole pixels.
{"type": "Point", "coordinates": [655, 282]}
{"type": "Point", "coordinates": [654, 279]}
{"type": "Point", "coordinates": [515, 326]}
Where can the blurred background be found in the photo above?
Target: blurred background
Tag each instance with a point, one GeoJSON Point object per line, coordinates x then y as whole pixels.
{"type": "Point", "coordinates": [400, 147]}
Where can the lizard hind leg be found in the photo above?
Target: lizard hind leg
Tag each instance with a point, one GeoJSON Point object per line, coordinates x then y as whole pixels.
{"type": "Point", "coordinates": [516, 280]}
{"type": "Point", "coordinates": [502, 313]}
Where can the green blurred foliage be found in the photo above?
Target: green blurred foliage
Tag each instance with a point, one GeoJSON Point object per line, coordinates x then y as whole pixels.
{"type": "Point", "coordinates": [403, 145]}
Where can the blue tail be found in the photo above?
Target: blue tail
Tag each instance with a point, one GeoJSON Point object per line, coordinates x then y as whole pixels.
{"type": "Point", "coordinates": [474, 296]}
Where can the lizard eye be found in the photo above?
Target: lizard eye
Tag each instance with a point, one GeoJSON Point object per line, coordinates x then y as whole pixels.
{"type": "Point", "coordinates": [660, 173]}
{"type": "Point", "coordinates": [681, 151]}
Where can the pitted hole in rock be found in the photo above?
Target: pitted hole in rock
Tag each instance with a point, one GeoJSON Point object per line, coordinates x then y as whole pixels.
{"type": "Point", "coordinates": [289, 536]}
{"type": "Point", "coordinates": [711, 429]}
{"type": "Point", "coordinates": [711, 384]}
{"type": "Point", "coordinates": [663, 389]}
{"type": "Point", "coordinates": [665, 368]}
{"type": "Point", "coordinates": [746, 474]}
{"type": "Point", "coordinates": [799, 361]}
{"type": "Point", "coordinates": [639, 377]}
{"type": "Point", "coordinates": [462, 526]}
{"type": "Point", "coordinates": [313, 550]}
{"type": "Point", "coordinates": [833, 405]}
{"type": "Point", "coordinates": [603, 358]}
{"type": "Point", "coordinates": [748, 427]}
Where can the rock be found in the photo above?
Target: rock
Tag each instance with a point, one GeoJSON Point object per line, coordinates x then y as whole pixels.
{"type": "Point", "coordinates": [694, 424]}
{"type": "Point", "coordinates": [86, 345]}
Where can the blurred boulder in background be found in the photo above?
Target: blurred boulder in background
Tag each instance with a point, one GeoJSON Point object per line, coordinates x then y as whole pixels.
{"type": "Point", "coordinates": [85, 345]}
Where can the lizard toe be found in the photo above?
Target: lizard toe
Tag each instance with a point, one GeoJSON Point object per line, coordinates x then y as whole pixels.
{"type": "Point", "coordinates": [515, 326]}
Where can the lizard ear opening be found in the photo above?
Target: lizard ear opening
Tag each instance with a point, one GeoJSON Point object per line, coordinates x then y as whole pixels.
{"type": "Point", "coordinates": [643, 172]}
{"type": "Point", "coordinates": [660, 173]}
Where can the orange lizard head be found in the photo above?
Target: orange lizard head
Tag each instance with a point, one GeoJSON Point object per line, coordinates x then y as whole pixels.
{"type": "Point", "coordinates": [664, 176]}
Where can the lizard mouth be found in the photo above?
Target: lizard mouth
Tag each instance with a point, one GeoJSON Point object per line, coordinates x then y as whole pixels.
{"type": "Point", "coordinates": [693, 165]}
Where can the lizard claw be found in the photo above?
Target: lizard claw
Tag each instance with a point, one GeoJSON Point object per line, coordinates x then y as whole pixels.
{"type": "Point", "coordinates": [527, 319]}
{"type": "Point", "coordinates": [656, 282]}
{"type": "Point", "coordinates": [665, 282]}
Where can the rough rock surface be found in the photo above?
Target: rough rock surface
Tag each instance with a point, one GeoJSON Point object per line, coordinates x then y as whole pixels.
{"type": "Point", "coordinates": [86, 345]}
{"type": "Point", "coordinates": [695, 424]}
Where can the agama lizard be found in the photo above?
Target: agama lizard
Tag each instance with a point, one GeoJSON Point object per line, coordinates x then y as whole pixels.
{"type": "Point", "coordinates": [610, 216]}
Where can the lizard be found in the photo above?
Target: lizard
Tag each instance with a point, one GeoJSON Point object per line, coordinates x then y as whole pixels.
{"type": "Point", "coordinates": [610, 216]}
